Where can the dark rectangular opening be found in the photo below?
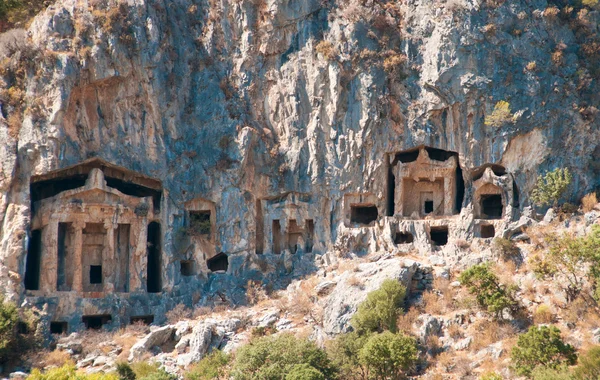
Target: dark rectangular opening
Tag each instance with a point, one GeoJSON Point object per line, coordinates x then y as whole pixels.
{"type": "Point", "coordinates": [96, 322]}
{"type": "Point", "coordinates": [403, 238]}
{"type": "Point", "coordinates": [142, 319]}
{"type": "Point", "coordinates": [428, 207]}
{"type": "Point", "coordinates": [391, 192]}
{"type": "Point", "coordinates": [491, 206]}
{"type": "Point", "coordinates": [153, 281]}
{"type": "Point", "coordinates": [439, 235]}
{"type": "Point", "coordinates": [200, 222]}
{"type": "Point", "coordinates": [218, 263]}
{"type": "Point", "coordinates": [363, 214]}
{"type": "Point", "coordinates": [34, 261]}
{"type": "Point", "coordinates": [187, 267]}
{"type": "Point", "coordinates": [58, 327]}
{"type": "Point", "coordinates": [95, 274]}
{"type": "Point", "coordinates": [487, 231]}
{"type": "Point", "coordinates": [22, 328]}
{"type": "Point", "coordinates": [310, 233]}
{"type": "Point", "coordinates": [276, 231]}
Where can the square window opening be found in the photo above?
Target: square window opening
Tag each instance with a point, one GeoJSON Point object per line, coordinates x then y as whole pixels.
{"type": "Point", "coordinates": [95, 274]}
{"type": "Point", "coordinates": [439, 235]}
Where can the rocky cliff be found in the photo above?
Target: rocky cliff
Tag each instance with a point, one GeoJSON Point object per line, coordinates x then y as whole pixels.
{"type": "Point", "coordinates": [238, 101]}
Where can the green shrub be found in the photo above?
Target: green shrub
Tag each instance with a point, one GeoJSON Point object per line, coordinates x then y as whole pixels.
{"type": "Point", "coordinates": [8, 325]}
{"type": "Point", "coordinates": [577, 259]}
{"type": "Point", "coordinates": [304, 372]}
{"type": "Point", "coordinates": [589, 365]}
{"type": "Point", "coordinates": [541, 346]}
{"type": "Point", "coordinates": [381, 309]}
{"type": "Point", "coordinates": [487, 289]}
{"type": "Point", "coordinates": [161, 374]}
{"type": "Point", "coordinates": [145, 370]}
{"type": "Point", "coordinates": [125, 372]}
{"type": "Point", "coordinates": [213, 366]}
{"type": "Point", "coordinates": [500, 115]}
{"type": "Point", "coordinates": [68, 372]}
{"type": "Point", "coordinates": [388, 355]}
{"type": "Point", "coordinates": [551, 186]}
{"type": "Point", "coordinates": [545, 373]}
{"type": "Point", "coordinates": [506, 248]}
{"type": "Point", "coordinates": [272, 357]}
{"type": "Point", "coordinates": [490, 376]}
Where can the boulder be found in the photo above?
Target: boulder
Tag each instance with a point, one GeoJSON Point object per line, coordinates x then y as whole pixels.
{"type": "Point", "coordinates": [344, 299]}
{"type": "Point", "coordinates": [156, 337]}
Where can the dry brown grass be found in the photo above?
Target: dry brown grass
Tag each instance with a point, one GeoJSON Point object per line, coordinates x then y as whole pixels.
{"type": "Point", "coordinates": [455, 331]}
{"type": "Point", "coordinates": [580, 313]}
{"type": "Point", "coordinates": [531, 66]}
{"type": "Point", "coordinates": [326, 49]}
{"type": "Point", "coordinates": [543, 314]}
{"type": "Point", "coordinates": [302, 302]}
{"type": "Point", "coordinates": [551, 12]}
{"type": "Point", "coordinates": [406, 320]}
{"type": "Point", "coordinates": [56, 358]}
{"type": "Point", "coordinates": [588, 202]}
{"type": "Point", "coordinates": [178, 313]}
{"type": "Point", "coordinates": [486, 332]}
{"type": "Point", "coordinates": [14, 122]}
{"type": "Point", "coordinates": [431, 303]}
{"type": "Point", "coordinates": [356, 281]}
{"type": "Point", "coordinates": [93, 339]}
{"type": "Point", "coordinates": [255, 292]}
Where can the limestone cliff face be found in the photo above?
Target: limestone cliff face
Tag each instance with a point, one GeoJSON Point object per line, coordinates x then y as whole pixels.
{"type": "Point", "coordinates": [234, 101]}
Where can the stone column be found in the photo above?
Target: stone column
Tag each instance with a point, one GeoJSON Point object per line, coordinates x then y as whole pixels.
{"type": "Point", "coordinates": [448, 196]}
{"type": "Point", "coordinates": [108, 258]}
{"type": "Point", "coordinates": [138, 260]}
{"type": "Point", "coordinates": [78, 227]}
{"type": "Point", "coordinates": [49, 257]}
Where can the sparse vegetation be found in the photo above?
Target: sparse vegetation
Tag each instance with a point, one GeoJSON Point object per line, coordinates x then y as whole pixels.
{"type": "Point", "coordinates": [500, 116]}
{"type": "Point", "coordinates": [588, 202]}
{"type": "Point", "coordinates": [541, 347]}
{"type": "Point", "coordinates": [551, 186]}
{"type": "Point", "coordinates": [506, 248]}
{"type": "Point", "coordinates": [326, 49]}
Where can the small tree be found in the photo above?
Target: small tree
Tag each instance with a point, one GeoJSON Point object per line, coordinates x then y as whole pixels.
{"type": "Point", "coordinates": [541, 346]}
{"type": "Point", "coordinates": [589, 365]}
{"type": "Point", "coordinates": [8, 324]}
{"type": "Point", "coordinates": [487, 289]}
{"type": "Point", "coordinates": [388, 355]}
{"type": "Point", "coordinates": [380, 310]}
{"type": "Point", "coordinates": [125, 372]}
{"type": "Point", "coordinates": [500, 115]}
{"type": "Point", "coordinates": [551, 186]}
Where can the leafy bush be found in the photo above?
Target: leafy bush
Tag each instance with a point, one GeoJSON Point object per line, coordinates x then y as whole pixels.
{"type": "Point", "coordinates": [151, 371]}
{"type": "Point", "coordinates": [344, 351]}
{"type": "Point", "coordinates": [8, 324]}
{"type": "Point", "coordinates": [551, 186]}
{"type": "Point", "coordinates": [380, 310]}
{"type": "Point", "coordinates": [304, 372]}
{"type": "Point", "coordinates": [500, 115]}
{"type": "Point", "coordinates": [490, 376]}
{"type": "Point", "coordinates": [545, 373]}
{"type": "Point", "coordinates": [68, 372]}
{"type": "Point", "coordinates": [125, 372]}
{"type": "Point", "coordinates": [487, 289]}
{"type": "Point", "coordinates": [272, 357]}
{"type": "Point", "coordinates": [589, 365]}
{"type": "Point", "coordinates": [213, 366]}
{"type": "Point", "coordinates": [388, 355]}
{"type": "Point", "coordinates": [541, 346]}
{"type": "Point", "coordinates": [161, 374]}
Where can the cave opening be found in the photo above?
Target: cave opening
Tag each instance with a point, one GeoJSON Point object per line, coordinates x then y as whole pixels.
{"type": "Point", "coordinates": [33, 262]}
{"type": "Point", "coordinates": [491, 206]}
{"type": "Point", "coordinates": [142, 320]}
{"type": "Point", "coordinates": [363, 214]}
{"type": "Point", "coordinates": [153, 282]}
{"type": "Point", "coordinates": [187, 268]}
{"type": "Point", "coordinates": [439, 235]}
{"type": "Point", "coordinates": [403, 238]}
{"type": "Point", "coordinates": [59, 327]}
{"type": "Point", "coordinates": [487, 231]}
{"type": "Point", "coordinates": [218, 263]}
{"type": "Point", "coordinates": [95, 322]}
